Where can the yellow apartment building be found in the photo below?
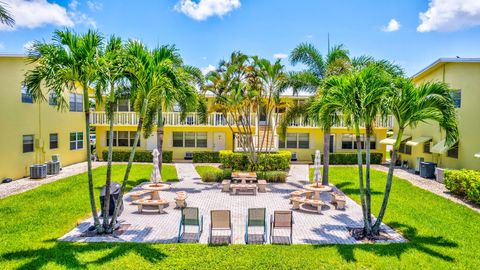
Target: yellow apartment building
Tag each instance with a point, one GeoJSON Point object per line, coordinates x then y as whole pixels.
{"type": "Point", "coordinates": [426, 141]}
{"type": "Point", "coordinates": [182, 137]}
{"type": "Point", "coordinates": [33, 132]}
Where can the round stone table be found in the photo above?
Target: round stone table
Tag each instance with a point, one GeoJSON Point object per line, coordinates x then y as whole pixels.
{"type": "Point", "coordinates": [317, 190]}
{"type": "Point", "coordinates": [155, 188]}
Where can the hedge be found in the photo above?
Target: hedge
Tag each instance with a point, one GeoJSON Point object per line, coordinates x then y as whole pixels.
{"type": "Point", "coordinates": [217, 175]}
{"type": "Point", "coordinates": [465, 183]}
{"type": "Point", "coordinates": [351, 158]}
{"type": "Point", "coordinates": [206, 157]}
{"type": "Point", "coordinates": [140, 156]}
{"type": "Point", "coordinates": [279, 161]}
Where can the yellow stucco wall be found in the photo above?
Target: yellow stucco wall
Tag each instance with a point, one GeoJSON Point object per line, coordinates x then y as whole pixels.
{"type": "Point", "coordinates": [18, 119]}
{"type": "Point", "coordinates": [466, 77]}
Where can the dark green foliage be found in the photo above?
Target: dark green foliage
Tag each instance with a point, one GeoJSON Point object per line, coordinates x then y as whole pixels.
{"type": "Point", "coordinates": [279, 161]}
{"type": "Point", "coordinates": [273, 176]}
{"type": "Point", "coordinates": [206, 157]}
{"type": "Point", "coordinates": [350, 158]}
{"type": "Point", "coordinates": [140, 156]}
{"type": "Point", "coordinates": [465, 183]}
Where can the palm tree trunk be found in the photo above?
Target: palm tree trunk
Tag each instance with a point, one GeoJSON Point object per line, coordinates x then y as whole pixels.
{"type": "Point", "coordinates": [91, 193]}
{"type": "Point", "coordinates": [326, 155]}
{"type": "Point", "coordinates": [367, 229]}
{"type": "Point", "coordinates": [106, 206]}
{"type": "Point", "coordinates": [368, 194]}
{"type": "Point", "coordinates": [388, 185]}
{"type": "Point", "coordinates": [160, 138]}
{"type": "Point", "coordinates": [129, 166]}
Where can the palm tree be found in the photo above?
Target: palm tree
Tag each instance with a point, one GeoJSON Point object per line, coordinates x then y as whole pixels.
{"type": "Point", "coordinates": [319, 67]}
{"type": "Point", "coordinates": [411, 105]}
{"type": "Point", "coordinates": [111, 81]}
{"type": "Point", "coordinates": [5, 16]}
{"type": "Point", "coordinates": [70, 61]}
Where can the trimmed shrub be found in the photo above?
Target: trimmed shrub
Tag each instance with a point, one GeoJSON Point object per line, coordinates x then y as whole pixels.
{"type": "Point", "coordinates": [350, 158]}
{"type": "Point", "coordinates": [212, 174]}
{"type": "Point", "coordinates": [140, 156]}
{"type": "Point", "coordinates": [279, 161]}
{"type": "Point", "coordinates": [273, 176]}
{"type": "Point", "coordinates": [206, 157]}
{"type": "Point", "coordinates": [465, 183]}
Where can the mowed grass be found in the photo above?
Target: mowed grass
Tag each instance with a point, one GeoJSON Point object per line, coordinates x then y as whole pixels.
{"type": "Point", "coordinates": [203, 169]}
{"type": "Point", "coordinates": [442, 234]}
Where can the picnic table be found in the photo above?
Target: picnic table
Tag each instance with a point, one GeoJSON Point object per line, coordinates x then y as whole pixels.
{"type": "Point", "coordinates": [243, 177]}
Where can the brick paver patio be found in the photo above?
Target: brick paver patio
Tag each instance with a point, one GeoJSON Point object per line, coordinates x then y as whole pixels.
{"type": "Point", "coordinates": [326, 228]}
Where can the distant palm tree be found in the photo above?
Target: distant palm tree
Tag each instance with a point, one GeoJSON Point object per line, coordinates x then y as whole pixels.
{"type": "Point", "coordinates": [411, 105]}
{"type": "Point", "coordinates": [70, 61]}
{"type": "Point", "coordinates": [5, 16]}
{"type": "Point", "coordinates": [336, 62]}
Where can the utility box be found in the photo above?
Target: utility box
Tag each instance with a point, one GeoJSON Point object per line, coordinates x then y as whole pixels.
{"type": "Point", "coordinates": [439, 174]}
{"type": "Point", "coordinates": [38, 171]}
{"type": "Point", "coordinates": [417, 164]}
{"type": "Point", "coordinates": [427, 169]}
{"type": "Point", "coordinates": [53, 167]}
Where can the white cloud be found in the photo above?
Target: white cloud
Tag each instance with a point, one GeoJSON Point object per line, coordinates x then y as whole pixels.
{"type": "Point", "coordinates": [449, 15]}
{"type": "Point", "coordinates": [207, 69]}
{"type": "Point", "coordinates": [392, 26]}
{"type": "Point", "coordinates": [309, 36]}
{"type": "Point", "coordinates": [94, 6]}
{"type": "Point", "coordinates": [28, 45]}
{"type": "Point", "coordinates": [79, 17]}
{"type": "Point", "coordinates": [280, 55]}
{"type": "Point", "coordinates": [2, 46]}
{"type": "Point", "coordinates": [203, 9]}
{"type": "Point", "coordinates": [36, 13]}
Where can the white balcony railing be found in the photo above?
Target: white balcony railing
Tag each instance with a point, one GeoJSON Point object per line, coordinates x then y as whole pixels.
{"type": "Point", "coordinates": [98, 118]}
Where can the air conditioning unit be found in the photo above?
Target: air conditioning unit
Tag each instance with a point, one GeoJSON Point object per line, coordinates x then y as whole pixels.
{"type": "Point", "coordinates": [38, 171]}
{"type": "Point", "coordinates": [56, 158]}
{"type": "Point", "coordinates": [439, 174]}
{"type": "Point", "coordinates": [417, 164]}
{"type": "Point", "coordinates": [53, 167]}
{"type": "Point", "coordinates": [188, 156]}
{"type": "Point", "coordinates": [294, 156]}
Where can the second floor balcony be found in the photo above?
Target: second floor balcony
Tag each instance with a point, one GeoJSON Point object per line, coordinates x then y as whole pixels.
{"type": "Point", "coordinates": [98, 118]}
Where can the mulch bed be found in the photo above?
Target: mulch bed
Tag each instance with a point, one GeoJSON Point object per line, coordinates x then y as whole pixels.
{"type": "Point", "coordinates": [123, 228]}
{"type": "Point", "coordinates": [357, 233]}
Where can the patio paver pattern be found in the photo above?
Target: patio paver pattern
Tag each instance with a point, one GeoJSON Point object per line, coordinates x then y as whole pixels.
{"type": "Point", "coordinates": [328, 227]}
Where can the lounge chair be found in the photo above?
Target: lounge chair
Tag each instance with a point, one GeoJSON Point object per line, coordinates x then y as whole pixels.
{"type": "Point", "coordinates": [281, 220]}
{"type": "Point", "coordinates": [221, 220]}
{"type": "Point", "coordinates": [256, 217]}
{"type": "Point", "coordinates": [190, 217]}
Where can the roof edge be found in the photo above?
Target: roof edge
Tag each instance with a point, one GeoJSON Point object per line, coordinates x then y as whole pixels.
{"type": "Point", "coordinates": [446, 60]}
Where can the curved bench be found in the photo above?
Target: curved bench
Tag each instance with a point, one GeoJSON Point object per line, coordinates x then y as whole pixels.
{"type": "Point", "coordinates": [339, 200]}
{"type": "Point", "coordinates": [161, 204]}
{"type": "Point", "coordinates": [137, 194]}
{"type": "Point", "coordinates": [299, 193]}
{"type": "Point", "coordinates": [297, 201]}
{"type": "Point", "coordinates": [316, 203]}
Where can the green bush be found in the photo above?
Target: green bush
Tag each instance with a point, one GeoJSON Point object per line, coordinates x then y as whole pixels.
{"type": "Point", "coordinates": [140, 156]}
{"type": "Point", "coordinates": [279, 161]}
{"type": "Point", "coordinates": [465, 183]}
{"type": "Point", "coordinates": [351, 158]}
{"type": "Point", "coordinates": [212, 174]}
{"type": "Point", "coordinates": [273, 176]}
{"type": "Point", "coordinates": [206, 157]}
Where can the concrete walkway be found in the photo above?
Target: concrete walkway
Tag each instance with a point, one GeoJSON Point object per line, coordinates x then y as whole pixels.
{"type": "Point", "coordinates": [25, 184]}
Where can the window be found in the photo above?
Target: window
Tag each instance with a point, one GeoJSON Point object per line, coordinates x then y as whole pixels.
{"type": "Point", "coordinates": [295, 140]}
{"type": "Point", "coordinates": [123, 105]}
{"type": "Point", "coordinates": [26, 98]}
{"type": "Point", "coordinates": [426, 147]}
{"type": "Point", "coordinates": [291, 140]}
{"type": "Point", "coordinates": [190, 139]}
{"type": "Point", "coordinates": [457, 98]}
{"type": "Point", "coordinates": [405, 149]}
{"type": "Point", "coordinates": [281, 143]}
{"type": "Point", "coordinates": [453, 151]}
{"type": "Point", "coordinates": [27, 143]}
{"type": "Point", "coordinates": [303, 140]}
{"type": "Point", "coordinates": [76, 140]}
{"type": "Point", "coordinates": [52, 99]}
{"type": "Point", "coordinates": [76, 102]}
{"type": "Point", "coordinates": [347, 141]}
{"type": "Point", "coordinates": [122, 138]}
{"type": "Point", "coordinates": [53, 140]}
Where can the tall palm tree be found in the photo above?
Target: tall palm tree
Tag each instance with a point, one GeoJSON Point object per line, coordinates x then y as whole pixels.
{"type": "Point", "coordinates": [411, 105]}
{"type": "Point", "coordinates": [5, 16]}
{"type": "Point", "coordinates": [111, 82]}
{"type": "Point", "coordinates": [70, 61]}
{"type": "Point", "coordinates": [319, 67]}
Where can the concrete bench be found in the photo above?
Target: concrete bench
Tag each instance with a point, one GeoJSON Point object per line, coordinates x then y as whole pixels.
{"type": "Point", "coordinates": [297, 201]}
{"type": "Point", "coordinates": [226, 185]}
{"type": "Point", "coordinates": [161, 204]}
{"type": "Point", "coordinates": [180, 199]}
{"type": "Point", "coordinates": [339, 200]}
{"type": "Point", "coordinates": [315, 203]}
{"type": "Point", "coordinates": [262, 185]}
{"type": "Point", "coordinates": [243, 187]}
{"type": "Point", "coordinates": [299, 193]}
{"type": "Point", "coordinates": [136, 195]}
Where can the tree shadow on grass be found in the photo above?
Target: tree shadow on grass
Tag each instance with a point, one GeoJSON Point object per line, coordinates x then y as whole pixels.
{"type": "Point", "coordinates": [66, 254]}
{"type": "Point", "coordinates": [420, 243]}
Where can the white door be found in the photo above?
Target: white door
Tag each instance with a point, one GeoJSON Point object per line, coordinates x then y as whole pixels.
{"type": "Point", "coordinates": [152, 142]}
{"type": "Point", "coordinates": [218, 141]}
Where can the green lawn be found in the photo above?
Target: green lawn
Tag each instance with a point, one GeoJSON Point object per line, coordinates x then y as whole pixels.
{"type": "Point", "coordinates": [169, 173]}
{"type": "Point", "coordinates": [203, 169]}
{"type": "Point", "coordinates": [442, 234]}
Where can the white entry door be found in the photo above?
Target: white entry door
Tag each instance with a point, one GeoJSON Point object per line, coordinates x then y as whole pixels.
{"type": "Point", "coordinates": [152, 142]}
{"type": "Point", "coordinates": [218, 141]}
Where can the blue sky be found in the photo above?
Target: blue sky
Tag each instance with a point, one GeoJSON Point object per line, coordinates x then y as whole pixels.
{"type": "Point", "coordinates": [206, 31]}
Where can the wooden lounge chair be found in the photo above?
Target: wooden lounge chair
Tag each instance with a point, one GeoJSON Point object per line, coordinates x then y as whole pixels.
{"type": "Point", "coordinates": [220, 220]}
{"type": "Point", "coordinates": [190, 217]}
{"type": "Point", "coordinates": [281, 220]}
{"type": "Point", "coordinates": [256, 217]}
